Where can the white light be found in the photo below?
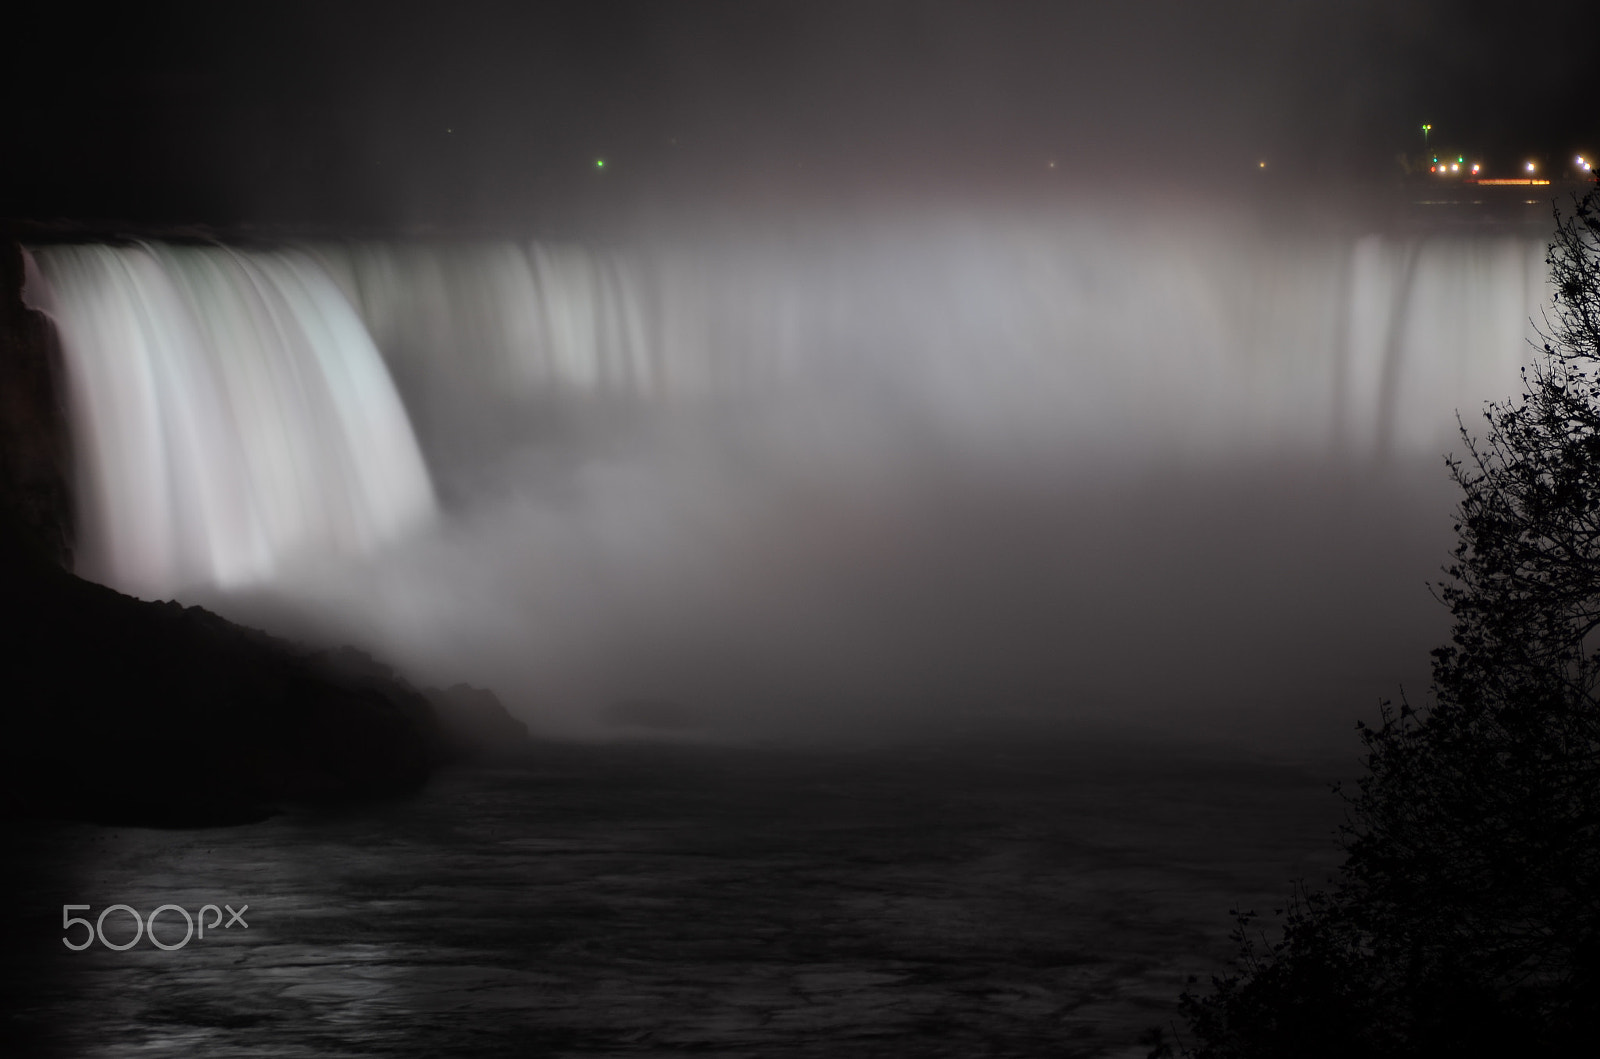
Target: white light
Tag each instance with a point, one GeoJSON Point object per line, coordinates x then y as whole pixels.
{"type": "Point", "coordinates": [1454, 167]}
{"type": "Point", "coordinates": [1530, 167]}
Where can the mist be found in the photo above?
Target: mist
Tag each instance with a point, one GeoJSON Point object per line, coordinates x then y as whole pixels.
{"type": "Point", "coordinates": [657, 594]}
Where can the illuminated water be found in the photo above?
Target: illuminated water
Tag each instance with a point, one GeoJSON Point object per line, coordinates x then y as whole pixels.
{"type": "Point", "coordinates": [233, 408]}
{"type": "Point", "coordinates": [1143, 338]}
{"type": "Point", "coordinates": [794, 479]}
{"type": "Point", "coordinates": [230, 412]}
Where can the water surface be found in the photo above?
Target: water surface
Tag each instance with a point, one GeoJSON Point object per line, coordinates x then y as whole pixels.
{"type": "Point", "coordinates": [1001, 897]}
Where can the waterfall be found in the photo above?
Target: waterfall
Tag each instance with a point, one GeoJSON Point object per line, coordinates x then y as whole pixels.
{"type": "Point", "coordinates": [230, 413]}
{"type": "Point", "coordinates": [1152, 339]}
{"type": "Point", "coordinates": [233, 409]}
{"type": "Point", "coordinates": [965, 461]}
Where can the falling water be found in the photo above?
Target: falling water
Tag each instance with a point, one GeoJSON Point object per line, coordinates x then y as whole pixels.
{"type": "Point", "coordinates": [230, 411]}
{"type": "Point", "coordinates": [1137, 338]}
{"type": "Point", "coordinates": [979, 460]}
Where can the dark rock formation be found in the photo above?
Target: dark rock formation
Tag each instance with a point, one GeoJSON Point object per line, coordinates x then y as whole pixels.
{"type": "Point", "coordinates": [118, 710]}
{"type": "Point", "coordinates": [475, 728]}
{"type": "Point", "coordinates": [35, 451]}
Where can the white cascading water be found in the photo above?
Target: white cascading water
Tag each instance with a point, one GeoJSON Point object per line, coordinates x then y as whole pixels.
{"type": "Point", "coordinates": [233, 409]}
{"type": "Point", "coordinates": [1049, 464]}
{"type": "Point", "coordinates": [1145, 341]}
{"type": "Point", "coordinates": [230, 412]}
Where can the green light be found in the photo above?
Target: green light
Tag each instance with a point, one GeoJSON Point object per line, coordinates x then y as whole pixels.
{"type": "Point", "coordinates": [599, 163]}
{"type": "Point", "coordinates": [1460, 158]}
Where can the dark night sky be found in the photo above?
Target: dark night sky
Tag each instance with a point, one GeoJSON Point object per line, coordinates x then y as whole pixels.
{"type": "Point", "coordinates": [479, 112]}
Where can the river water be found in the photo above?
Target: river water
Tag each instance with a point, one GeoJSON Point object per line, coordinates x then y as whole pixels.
{"type": "Point", "coordinates": [1002, 896]}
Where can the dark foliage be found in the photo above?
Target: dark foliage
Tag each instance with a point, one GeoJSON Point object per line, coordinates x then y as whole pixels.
{"type": "Point", "coordinates": [1466, 917]}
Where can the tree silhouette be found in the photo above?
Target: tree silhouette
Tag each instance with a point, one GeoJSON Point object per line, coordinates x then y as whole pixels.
{"type": "Point", "coordinates": [1465, 919]}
